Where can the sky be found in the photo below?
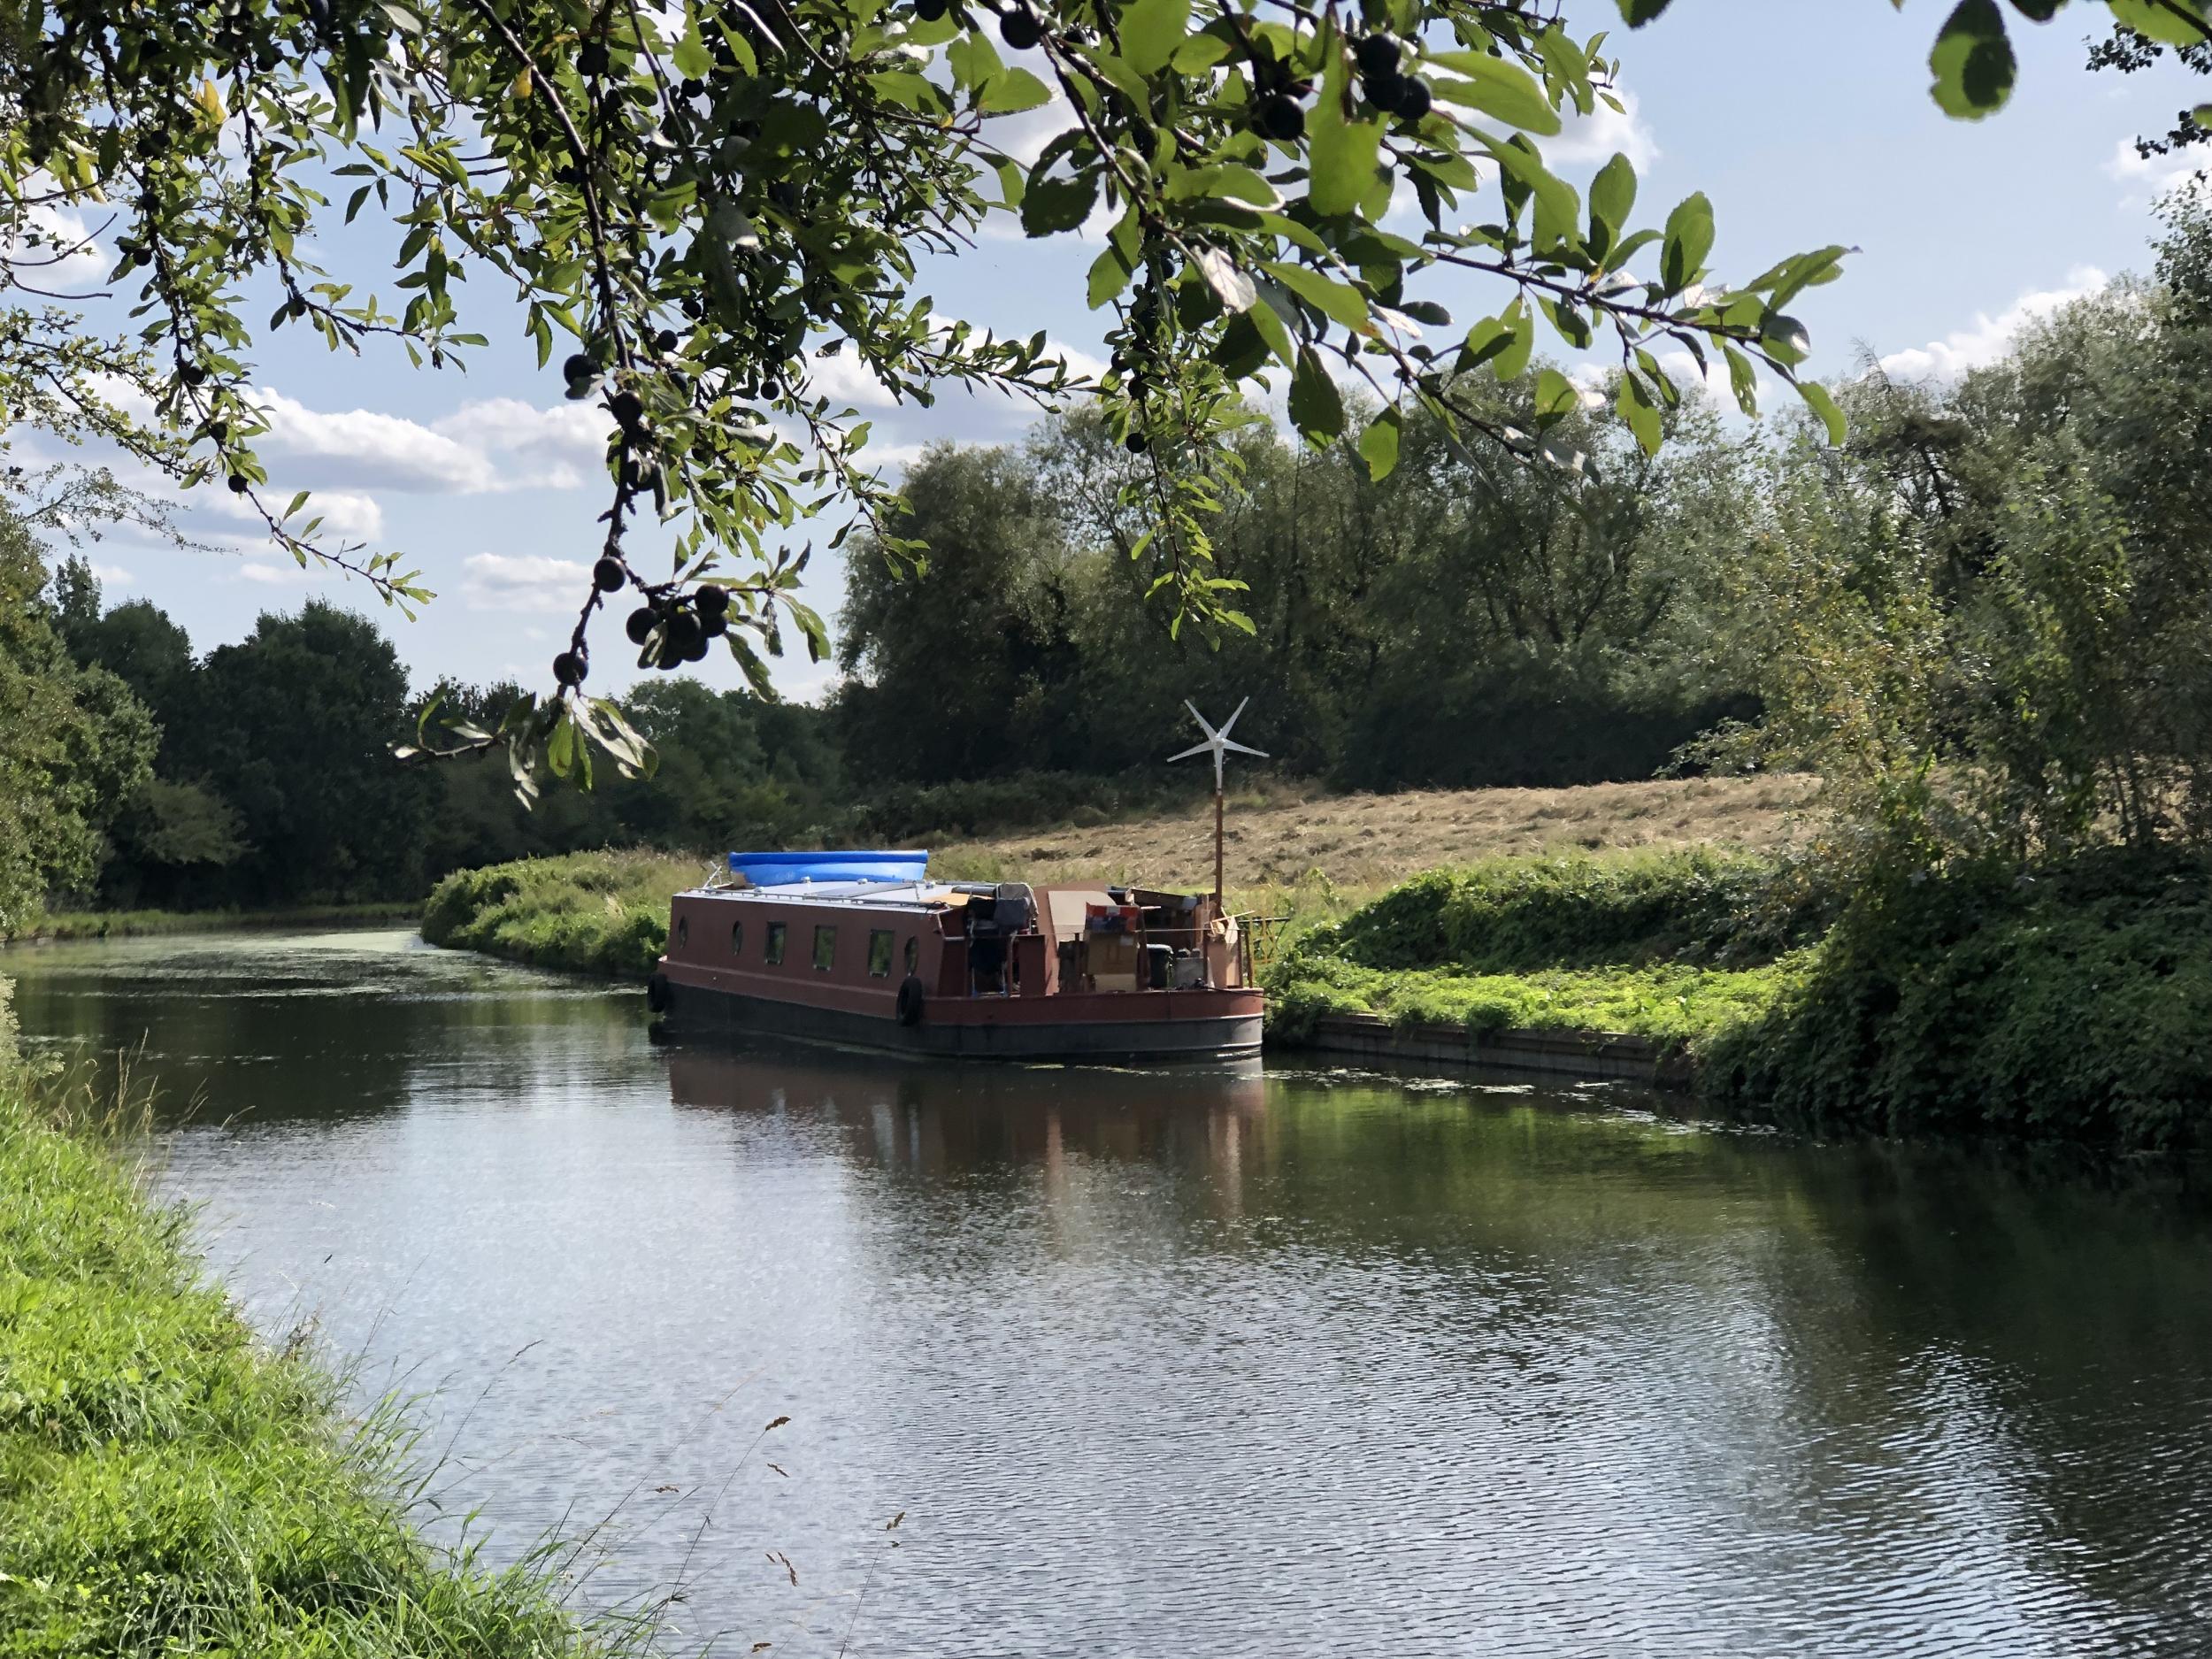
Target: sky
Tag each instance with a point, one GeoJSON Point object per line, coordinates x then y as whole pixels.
{"type": "Point", "coordinates": [1807, 122]}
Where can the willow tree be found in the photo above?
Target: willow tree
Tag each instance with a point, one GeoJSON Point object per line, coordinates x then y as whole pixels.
{"type": "Point", "coordinates": [697, 201]}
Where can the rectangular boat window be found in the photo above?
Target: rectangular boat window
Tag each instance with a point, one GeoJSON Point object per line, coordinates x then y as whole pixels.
{"type": "Point", "coordinates": [879, 953]}
{"type": "Point", "coordinates": [773, 953]}
{"type": "Point", "coordinates": [824, 949]}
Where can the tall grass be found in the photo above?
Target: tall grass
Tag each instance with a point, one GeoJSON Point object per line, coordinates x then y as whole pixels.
{"type": "Point", "coordinates": [170, 1486]}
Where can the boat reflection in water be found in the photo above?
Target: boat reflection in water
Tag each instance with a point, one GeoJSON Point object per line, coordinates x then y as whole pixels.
{"type": "Point", "coordinates": [933, 1118]}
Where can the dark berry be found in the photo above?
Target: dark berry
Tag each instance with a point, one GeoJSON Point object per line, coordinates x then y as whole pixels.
{"type": "Point", "coordinates": [591, 61]}
{"type": "Point", "coordinates": [929, 10]}
{"type": "Point", "coordinates": [1135, 443]}
{"type": "Point", "coordinates": [1414, 101]}
{"type": "Point", "coordinates": [697, 651]}
{"type": "Point", "coordinates": [1377, 55]}
{"type": "Point", "coordinates": [642, 621]}
{"type": "Point", "coordinates": [626, 407]}
{"type": "Point", "coordinates": [665, 341]}
{"type": "Point", "coordinates": [1020, 29]}
{"type": "Point", "coordinates": [712, 601]}
{"type": "Point", "coordinates": [714, 625]}
{"type": "Point", "coordinates": [193, 374]}
{"type": "Point", "coordinates": [568, 669]}
{"type": "Point", "coordinates": [684, 632]}
{"type": "Point", "coordinates": [608, 574]}
{"type": "Point", "coordinates": [578, 367]}
{"type": "Point", "coordinates": [239, 484]}
{"type": "Point", "coordinates": [692, 88]}
{"type": "Point", "coordinates": [1282, 119]}
{"type": "Point", "coordinates": [1384, 91]}
{"type": "Point", "coordinates": [219, 430]}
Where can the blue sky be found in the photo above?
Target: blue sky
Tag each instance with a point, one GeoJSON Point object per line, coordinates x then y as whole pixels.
{"type": "Point", "coordinates": [1806, 121]}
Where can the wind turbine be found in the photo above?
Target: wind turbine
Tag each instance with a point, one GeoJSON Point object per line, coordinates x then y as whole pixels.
{"type": "Point", "coordinates": [1218, 744]}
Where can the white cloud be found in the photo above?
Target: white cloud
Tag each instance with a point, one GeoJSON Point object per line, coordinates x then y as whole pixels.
{"type": "Point", "coordinates": [348, 515]}
{"type": "Point", "coordinates": [113, 575]}
{"type": "Point", "coordinates": [362, 445]}
{"type": "Point", "coordinates": [524, 582]}
{"type": "Point", "coordinates": [59, 252]}
{"type": "Point", "coordinates": [2148, 177]}
{"type": "Point", "coordinates": [1990, 337]}
{"type": "Point", "coordinates": [560, 447]}
{"type": "Point", "coordinates": [261, 571]}
{"type": "Point", "coordinates": [1605, 130]}
{"type": "Point", "coordinates": [488, 446]}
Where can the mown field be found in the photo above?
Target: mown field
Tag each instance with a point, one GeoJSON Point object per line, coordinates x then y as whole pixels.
{"type": "Point", "coordinates": [1280, 839]}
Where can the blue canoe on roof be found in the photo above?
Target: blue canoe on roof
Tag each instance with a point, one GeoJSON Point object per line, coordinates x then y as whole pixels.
{"type": "Point", "coordinates": [774, 869]}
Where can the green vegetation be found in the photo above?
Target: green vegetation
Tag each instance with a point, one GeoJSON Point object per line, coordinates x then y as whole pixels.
{"type": "Point", "coordinates": [169, 1487]}
{"type": "Point", "coordinates": [1673, 946]}
{"type": "Point", "coordinates": [1673, 1003]}
{"type": "Point", "coordinates": [601, 912]}
{"type": "Point", "coordinates": [66, 925]}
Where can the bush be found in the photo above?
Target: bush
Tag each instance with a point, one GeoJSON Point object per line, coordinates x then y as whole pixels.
{"type": "Point", "coordinates": [603, 912]}
{"type": "Point", "coordinates": [2069, 1004]}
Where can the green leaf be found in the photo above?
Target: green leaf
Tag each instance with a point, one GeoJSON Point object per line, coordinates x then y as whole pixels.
{"type": "Point", "coordinates": [1337, 301]}
{"type": "Point", "coordinates": [1689, 240]}
{"type": "Point", "coordinates": [1151, 30]}
{"type": "Point", "coordinates": [1821, 403]}
{"type": "Point", "coordinates": [1496, 88]}
{"type": "Point", "coordinates": [1230, 285]}
{"type": "Point", "coordinates": [1972, 61]}
{"type": "Point", "coordinates": [1110, 274]}
{"type": "Point", "coordinates": [1639, 13]}
{"type": "Point", "coordinates": [1512, 363]}
{"type": "Point", "coordinates": [1316, 408]}
{"type": "Point", "coordinates": [1635, 405]}
{"type": "Point", "coordinates": [2175, 22]}
{"type": "Point", "coordinates": [1379, 444]}
{"type": "Point", "coordinates": [1555, 395]}
{"type": "Point", "coordinates": [1274, 331]}
{"type": "Point", "coordinates": [1558, 209]}
{"type": "Point", "coordinates": [691, 58]}
{"type": "Point", "coordinates": [973, 61]}
{"type": "Point", "coordinates": [1340, 150]}
{"type": "Point", "coordinates": [1612, 199]}
{"type": "Point", "coordinates": [1743, 379]}
{"type": "Point", "coordinates": [1013, 90]}
{"type": "Point", "coordinates": [1057, 204]}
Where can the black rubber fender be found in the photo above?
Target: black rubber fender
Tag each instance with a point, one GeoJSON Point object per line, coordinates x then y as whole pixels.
{"type": "Point", "coordinates": [910, 995]}
{"type": "Point", "coordinates": [656, 993]}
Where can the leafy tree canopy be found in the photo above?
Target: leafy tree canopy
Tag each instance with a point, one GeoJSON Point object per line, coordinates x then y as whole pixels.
{"type": "Point", "coordinates": [695, 204]}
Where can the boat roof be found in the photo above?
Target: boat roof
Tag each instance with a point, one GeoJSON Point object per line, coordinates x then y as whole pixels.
{"type": "Point", "coordinates": [902, 895]}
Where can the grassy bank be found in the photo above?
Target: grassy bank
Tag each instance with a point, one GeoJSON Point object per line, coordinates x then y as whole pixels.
{"type": "Point", "coordinates": [66, 925]}
{"type": "Point", "coordinates": [2065, 1002]}
{"type": "Point", "coordinates": [170, 1486]}
{"type": "Point", "coordinates": [603, 912]}
{"type": "Point", "coordinates": [1675, 946]}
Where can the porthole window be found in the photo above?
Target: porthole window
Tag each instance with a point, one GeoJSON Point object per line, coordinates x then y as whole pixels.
{"type": "Point", "coordinates": [824, 949]}
{"type": "Point", "coordinates": [737, 937]}
{"type": "Point", "coordinates": [771, 953]}
{"type": "Point", "coordinates": [913, 954]}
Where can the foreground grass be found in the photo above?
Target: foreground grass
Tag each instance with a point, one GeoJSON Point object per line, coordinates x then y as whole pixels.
{"type": "Point", "coordinates": [170, 1488]}
{"type": "Point", "coordinates": [604, 912]}
{"type": "Point", "coordinates": [65, 924]}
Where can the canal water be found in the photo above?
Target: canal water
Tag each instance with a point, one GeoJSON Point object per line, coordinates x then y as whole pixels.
{"type": "Point", "coordinates": [1154, 1361]}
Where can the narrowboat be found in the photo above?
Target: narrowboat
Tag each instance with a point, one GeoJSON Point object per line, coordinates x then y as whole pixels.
{"type": "Point", "coordinates": [861, 947]}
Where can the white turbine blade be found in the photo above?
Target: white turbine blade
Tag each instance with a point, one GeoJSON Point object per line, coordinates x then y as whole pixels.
{"type": "Point", "coordinates": [1196, 749]}
{"type": "Point", "coordinates": [1260, 753]}
{"type": "Point", "coordinates": [1200, 718]}
{"type": "Point", "coordinates": [1231, 720]}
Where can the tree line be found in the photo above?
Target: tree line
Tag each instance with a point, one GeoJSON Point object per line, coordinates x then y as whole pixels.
{"type": "Point", "coordinates": [1984, 621]}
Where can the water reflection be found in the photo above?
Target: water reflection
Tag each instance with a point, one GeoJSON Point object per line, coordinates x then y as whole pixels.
{"type": "Point", "coordinates": [1214, 1361]}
